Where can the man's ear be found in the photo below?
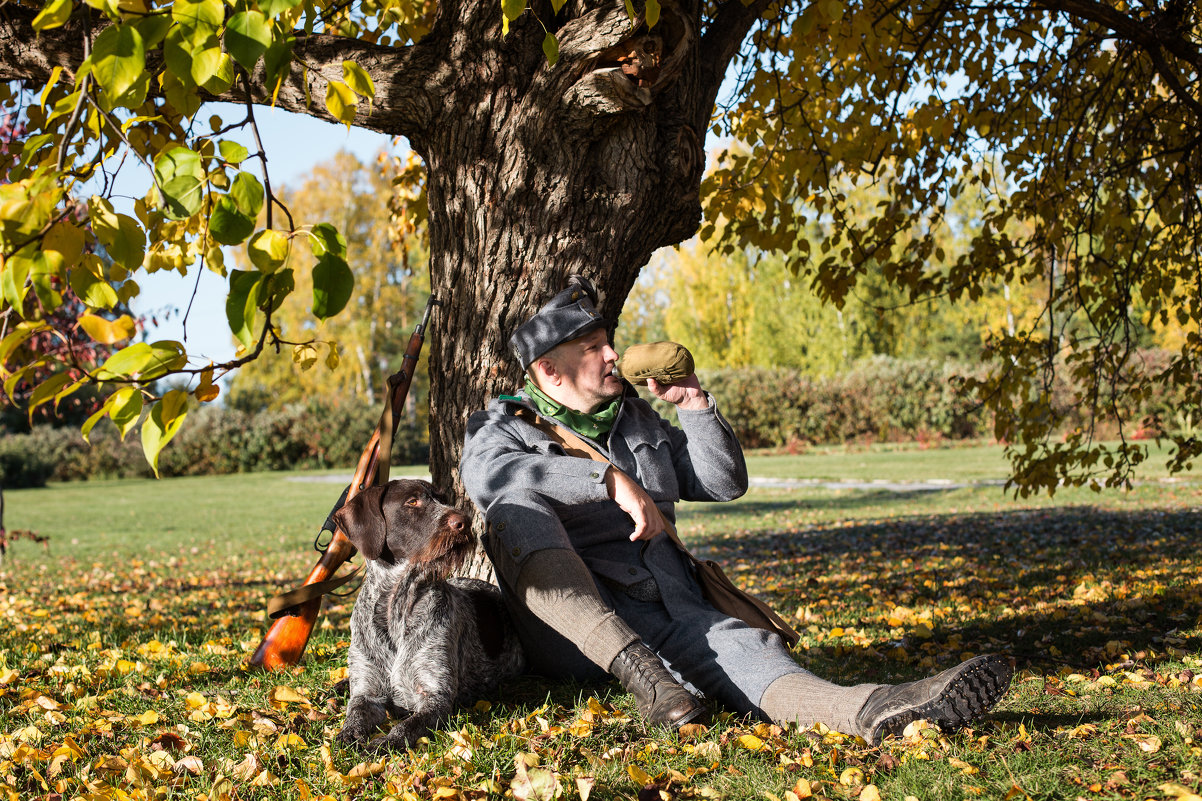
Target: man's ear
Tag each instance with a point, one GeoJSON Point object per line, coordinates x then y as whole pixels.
{"type": "Point", "coordinates": [362, 520]}
{"type": "Point", "coordinates": [545, 372]}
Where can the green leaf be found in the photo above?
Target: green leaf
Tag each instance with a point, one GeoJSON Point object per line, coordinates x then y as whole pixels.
{"type": "Point", "coordinates": [120, 234]}
{"type": "Point", "coordinates": [127, 362]}
{"type": "Point", "coordinates": [340, 101]}
{"type": "Point", "coordinates": [247, 193]}
{"type": "Point", "coordinates": [180, 177]}
{"type": "Point", "coordinates": [203, 14]}
{"type": "Point", "coordinates": [52, 15]}
{"type": "Point", "coordinates": [19, 336]}
{"type": "Point", "coordinates": [90, 285]}
{"type": "Point", "coordinates": [13, 280]}
{"type": "Point", "coordinates": [228, 225]}
{"type": "Point", "coordinates": [278, 286]}
{"type": "Point", "coordinates": [324, 238]}
{"type": "Point", "coordinates": [177, 52]}
{"type": "Point", "coordinates": [165, 356]}
{"type": "Point", "coordinates": [232, 152]}
{"type": "Point", "coordinates": [47, 274]}
{"type": "Point", "coordinates": [118, 60]}
{"type": "Point", "coordinates": [247, 37]}
{"type": "Point", "coordinates": [333, 283]}
{"type": "Point", "coordinates": [183, 196]}
{"type": "Point", "coordinates": [125, 407]}
{"type": "Point", "coordinates": [276, 61]}
{"type": "Point", "coordinates": [204, 64]}
{"type": "Point", "coordinates": [512, 9]}
{"type": "Point", "coordinates": [176, 161]}
{"type": "Point", "coordinates": [223, 76]}
{"type": "Point", "coordinates": [358, 80]}
{"type": "Point", "coordinates": [241, 304]}
{"type": "Point", "coordinates": [165, 418]}
{"type": "Point", "coordinates": [652, 13]}
{"type": "Point", "coordinates": [45, 391]}
{"type": "Point", "coordinates": [551, 48]}
{"type": "Point", "coordinates": [153, 28]}
{"type": "Point", "coordinates": [268, 250]}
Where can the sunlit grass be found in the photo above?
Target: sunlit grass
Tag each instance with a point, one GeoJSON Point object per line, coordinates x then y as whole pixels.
{"type": "Point", "coordinates": [122, 646]}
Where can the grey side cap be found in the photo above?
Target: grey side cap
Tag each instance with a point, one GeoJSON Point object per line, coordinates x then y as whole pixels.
{"type": "Point", "coordinates": [570, 314]}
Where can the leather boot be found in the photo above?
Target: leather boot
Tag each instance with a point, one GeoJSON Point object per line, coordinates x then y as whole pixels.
{"type": "Point", "coordinates": [949, 699]}
{"type": "Point", "coordinates": [659, 698]}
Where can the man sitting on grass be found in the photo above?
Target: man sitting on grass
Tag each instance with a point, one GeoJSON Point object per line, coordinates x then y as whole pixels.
{"type": "Point", "coordinates": [596, 585]}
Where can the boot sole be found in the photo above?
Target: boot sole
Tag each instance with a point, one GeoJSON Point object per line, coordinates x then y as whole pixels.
{"type": "Point", "coordinates": [979, 685]}
{"type": "Point", "coordinates": [698, 715]}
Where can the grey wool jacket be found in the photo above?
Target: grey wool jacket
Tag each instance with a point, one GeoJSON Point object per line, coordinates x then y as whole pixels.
{"type": "Point", "coordinates": [535, 496]}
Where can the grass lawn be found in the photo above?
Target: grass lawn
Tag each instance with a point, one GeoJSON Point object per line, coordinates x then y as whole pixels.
{"type": "Point", "coordinates": [122, 646]}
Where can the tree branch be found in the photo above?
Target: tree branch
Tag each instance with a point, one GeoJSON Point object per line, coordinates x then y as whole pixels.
{"type": "Point", "coordinates": [405, 102]}
{"type": "Point", "coordinates": [1132, 30]}
{"type": "Point", "coordinates": [720, 42]}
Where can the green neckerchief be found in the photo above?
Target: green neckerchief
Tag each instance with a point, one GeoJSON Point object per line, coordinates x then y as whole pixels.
{"type": "Point", "coordinates": [593, 426]}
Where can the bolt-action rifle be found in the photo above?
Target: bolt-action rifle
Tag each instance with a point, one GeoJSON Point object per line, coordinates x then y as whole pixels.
{"type": "Point", "coordinates": [295, 612]}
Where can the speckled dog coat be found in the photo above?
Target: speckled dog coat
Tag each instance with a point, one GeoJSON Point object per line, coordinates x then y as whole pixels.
{"type": "Point", "coordinates": [421, 644]}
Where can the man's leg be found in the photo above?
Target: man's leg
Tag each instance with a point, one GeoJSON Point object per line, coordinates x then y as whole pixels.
{"type": "Point", "coordinates": [553, 586]}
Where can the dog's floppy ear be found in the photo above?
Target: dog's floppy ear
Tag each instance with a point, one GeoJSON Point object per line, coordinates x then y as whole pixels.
{"type": "Point", "coordinates": [362, 520]}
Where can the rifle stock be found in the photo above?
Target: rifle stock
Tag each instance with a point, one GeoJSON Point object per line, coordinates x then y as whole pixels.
{"type": "Point", "coordinates": [286, 638]}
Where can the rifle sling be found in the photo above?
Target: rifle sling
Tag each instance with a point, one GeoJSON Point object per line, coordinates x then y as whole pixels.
{"type": "Point", "coordinates": [719, 590]}
{"type": "Point", "coordinates": [289, 603]}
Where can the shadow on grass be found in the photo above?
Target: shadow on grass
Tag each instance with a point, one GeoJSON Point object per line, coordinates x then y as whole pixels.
{"type": "Point", "coordinates": [852, 499]}
{"type": "Point", "coordinates": [1076, 586]}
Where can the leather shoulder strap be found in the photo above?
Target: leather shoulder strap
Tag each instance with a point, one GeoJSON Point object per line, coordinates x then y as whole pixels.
{"type": "Point", "coordinates": [574, 445]}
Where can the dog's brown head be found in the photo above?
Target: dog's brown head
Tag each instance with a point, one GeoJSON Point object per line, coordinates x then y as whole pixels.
{"type": "Point", "coordinates": [407, 521]}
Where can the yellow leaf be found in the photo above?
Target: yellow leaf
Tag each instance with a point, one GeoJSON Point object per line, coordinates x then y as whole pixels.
{"type": "Point", "coordinates": [851, 776]}
{"type": "Point", "coordinates": [638, 774]}
{"type": "Point", "coordinates": [340, 101]}
{"type": "Point", "coordinates": [108, 332]}
{"type": "Point", "coordinates": [751, 742]}
{"type": "Point", "coordinates": [1180, 792]}
{"type": "Point", "coordinates": [289, 742]}
{"type": "Point", "coordinates": [584, 786]}
{"type": "Point", "coordinates": [148, 718]}
{"type": "Point", "coordinates": [870, 793]}
{"type": "Point", "coordinates": [282, 694]}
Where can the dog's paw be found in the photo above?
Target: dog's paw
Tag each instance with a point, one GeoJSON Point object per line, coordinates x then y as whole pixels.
{"type": "Point", "coordinates": [402, 736]}
{"type": "Point", "coordinates": [354, 736]}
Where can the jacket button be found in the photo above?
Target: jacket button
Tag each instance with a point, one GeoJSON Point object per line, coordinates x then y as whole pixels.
{"type": "Point", "coordinates": [499, 527]}
{"type": "Point", "coordinates": [517, 551]}
{"type": "Point", "coordinates": [594, 474]}
{"type": "Point", "coordinates": [634, 571]}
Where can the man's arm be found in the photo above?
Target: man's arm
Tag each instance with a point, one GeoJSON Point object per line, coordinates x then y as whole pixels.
{"type": "Point", "coordinates": [706, 454]}
{"type": "Point", "coordinates": [496, 458]}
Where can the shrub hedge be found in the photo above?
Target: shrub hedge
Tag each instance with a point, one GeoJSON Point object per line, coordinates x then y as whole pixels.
{"type": "Point", "coordinates": [213, 440]}
{"type": "Point", "coordinates": [878, 400]}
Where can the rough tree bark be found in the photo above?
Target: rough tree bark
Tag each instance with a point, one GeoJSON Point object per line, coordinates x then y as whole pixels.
{"type": "Point", "coordinates": [533, 171]}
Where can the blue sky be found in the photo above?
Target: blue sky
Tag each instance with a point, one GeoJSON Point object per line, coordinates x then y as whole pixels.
{"type": "Point", "coordinates": [294, 144]}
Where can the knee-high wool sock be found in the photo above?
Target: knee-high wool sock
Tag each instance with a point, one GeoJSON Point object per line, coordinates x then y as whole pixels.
{"type": "Point", "coordinates": [805, 699]}
{"type": "Point", "coordinates": [557, 587]}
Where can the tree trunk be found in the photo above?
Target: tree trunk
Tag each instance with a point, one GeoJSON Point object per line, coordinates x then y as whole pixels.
{"type": "Point", "coordinates": [548, 172]}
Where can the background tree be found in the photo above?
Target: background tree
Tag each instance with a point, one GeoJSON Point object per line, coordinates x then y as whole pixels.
{"type": "Point", "coordinates": [361, 347]}
{"type": "Point", "coordinates": [566, 137]}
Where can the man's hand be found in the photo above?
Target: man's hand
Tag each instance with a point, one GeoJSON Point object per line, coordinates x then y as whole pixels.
{"type": "Point", "coordinates": [686, 393]}
{"type": "Point", "coordinates": [634, 501]}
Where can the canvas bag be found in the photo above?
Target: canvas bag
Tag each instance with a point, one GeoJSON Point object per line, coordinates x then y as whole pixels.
{"type": "Point", "coordinates": [719, 590]}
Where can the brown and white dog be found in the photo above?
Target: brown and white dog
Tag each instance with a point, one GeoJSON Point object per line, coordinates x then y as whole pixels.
{"type": "Point", "coordinates": [421, 643]}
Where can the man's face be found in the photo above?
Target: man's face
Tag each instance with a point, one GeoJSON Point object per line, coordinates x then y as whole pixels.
{"type": "Point", "coordinates": [585, 367]}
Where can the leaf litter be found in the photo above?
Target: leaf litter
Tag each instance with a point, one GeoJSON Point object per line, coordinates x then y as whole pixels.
{"type": "Point", "coordinates": [125, 679]}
